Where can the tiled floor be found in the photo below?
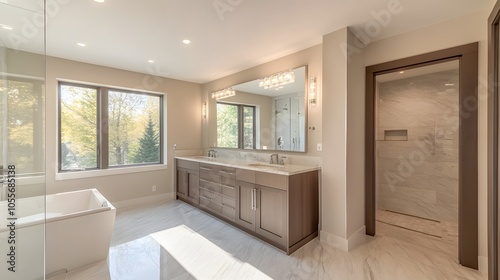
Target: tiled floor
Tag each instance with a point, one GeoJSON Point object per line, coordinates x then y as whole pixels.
{"type": "Point", "coordinates": [194, 245]}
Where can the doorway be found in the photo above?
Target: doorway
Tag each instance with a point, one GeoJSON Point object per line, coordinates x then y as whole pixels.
{"type": "Point", "coordinates": [403, 150]}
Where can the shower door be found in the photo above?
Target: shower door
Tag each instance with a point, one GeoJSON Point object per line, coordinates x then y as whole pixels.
{"type": "Point", "coordinates": [22, 140]}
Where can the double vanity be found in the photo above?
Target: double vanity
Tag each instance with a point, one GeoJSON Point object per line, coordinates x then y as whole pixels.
{"type": "Point", "coordinates": [276, 203]}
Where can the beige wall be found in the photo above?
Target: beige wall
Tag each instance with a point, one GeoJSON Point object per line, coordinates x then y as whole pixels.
{"type": "Point", "coordinates": [183, 127]}
{"type": "Point", "coordinates": [310, 57]}
{"type": "Point", "coordinates": [460, 31]}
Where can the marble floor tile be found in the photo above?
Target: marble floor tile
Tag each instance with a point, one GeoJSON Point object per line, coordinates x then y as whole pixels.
{"type": "Point", "coordinates": [173, 240]}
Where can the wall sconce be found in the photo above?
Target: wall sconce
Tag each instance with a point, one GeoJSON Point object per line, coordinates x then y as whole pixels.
{"type": "Point", "coordinates": [204, 110]}
{"type": "Point", "coordinates": [312, 91]}
{"type": "Point", "coordinates": [228, 92]}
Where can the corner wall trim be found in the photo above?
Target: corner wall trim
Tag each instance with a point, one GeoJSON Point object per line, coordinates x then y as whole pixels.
{"type": "Point", "coordinates": [143, 200]}
{"type": "Point", "coordinates": [356, 239]}
{"type": "Point", "coordinates": [333, 240]}
{"type": "Point", "coordinates": [483, 264]}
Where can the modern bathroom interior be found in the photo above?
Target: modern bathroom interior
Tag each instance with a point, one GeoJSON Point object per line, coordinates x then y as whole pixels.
{"type": "Point", "coordinates": [417, 128]}
{"type": "Point", "coordinates": [141, 141]}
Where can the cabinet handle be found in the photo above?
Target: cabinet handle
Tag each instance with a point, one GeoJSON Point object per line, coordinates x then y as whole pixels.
{"type": "Point", "coordinates": [206, 169]}
{"type": "Point", "coordinates": [226, 186]}
{"type": "Point", "coordinates": [228, 173]}
{"type": "Point", "coordinates": [224, 205]}
{"type": "Point", "coordinates": [254, 199]}
{"type": "Point", "coordinates": [204, 197]}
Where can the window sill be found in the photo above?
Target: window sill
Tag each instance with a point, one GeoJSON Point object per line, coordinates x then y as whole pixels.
{"type": "Point", "coordinates": [108, 172]}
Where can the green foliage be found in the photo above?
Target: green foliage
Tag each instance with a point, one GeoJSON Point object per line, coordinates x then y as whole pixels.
{"type": "Point", "coordinates": [149, 145]}
{"type": "Point", "coordinates": [227, 125]}
{"type": "Point", "coordinates": [21, 103]}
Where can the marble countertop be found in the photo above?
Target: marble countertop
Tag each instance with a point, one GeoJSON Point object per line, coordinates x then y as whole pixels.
{"type": "Point", "coordinates": [287, 169]}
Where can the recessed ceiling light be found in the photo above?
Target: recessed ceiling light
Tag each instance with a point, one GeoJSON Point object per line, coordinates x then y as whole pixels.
{"type": "Point", "coordinates": [81, 44]}
{"type": "Point", "coordinates": [99, 1]}
{"type": "Point", "coordinates": [186, 41]}
{"type": "Point", "coordinates": [7, 27]}
{"type": "Point", "coordinates": [401, 72]}
{"type": "Point", "coordinates": [151, 61]}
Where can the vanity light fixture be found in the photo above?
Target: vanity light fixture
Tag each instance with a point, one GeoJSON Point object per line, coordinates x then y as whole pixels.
{"type": "Point", "coordinates": [204, 110]}
{"type": "Point", "coordinates": [277, 80]}
{"type": "Point", "coordinates": [228, 92]}
{"type": "Point", "coordinates": [312, 91]}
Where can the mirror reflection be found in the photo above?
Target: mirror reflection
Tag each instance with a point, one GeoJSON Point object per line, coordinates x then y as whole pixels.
{"type": "Point", "coordinates": [264, 114]}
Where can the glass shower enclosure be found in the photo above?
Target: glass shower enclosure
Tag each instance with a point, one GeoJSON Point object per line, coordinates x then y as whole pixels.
{"type": "Point", "coordinates": [22, 134]}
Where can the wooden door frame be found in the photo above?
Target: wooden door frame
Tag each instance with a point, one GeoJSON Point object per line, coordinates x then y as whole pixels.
{"type": "Point", "coordinates": [467, 55]}
{"type": "Point", "coordinates": [493, 141]}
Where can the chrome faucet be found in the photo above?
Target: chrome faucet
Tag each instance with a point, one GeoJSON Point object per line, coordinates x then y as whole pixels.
{"type": "Point", "coordinates": [212, 153]}
{"type": "Point", "coordinates": [277, 159]}
{"type": "Point", "coordinates": [274, 159]}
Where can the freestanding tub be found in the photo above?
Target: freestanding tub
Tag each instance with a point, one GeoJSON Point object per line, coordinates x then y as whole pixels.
{"type": "Point", "coordinates": [78, 230]}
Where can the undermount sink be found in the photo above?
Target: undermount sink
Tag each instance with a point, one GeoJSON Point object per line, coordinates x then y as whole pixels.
{"type": "Point", "coordinates": [264, 165]}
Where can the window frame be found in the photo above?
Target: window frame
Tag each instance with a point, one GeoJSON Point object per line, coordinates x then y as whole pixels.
{"type": "Point", "coordinates": [102, 146]}
{"type": "Point", "coordinates": [241, 115]}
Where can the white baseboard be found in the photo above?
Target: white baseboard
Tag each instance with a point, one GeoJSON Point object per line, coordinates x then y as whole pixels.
{"type": "Point", "coordinates": [143, 200]}
{"type": "Point", "coordinates": [333, 240]}
{"type": "Point", "coordinates": [483, 264]}
{"type": "Point", "coordinates": [356, 239]}
{"type": "Point", "coordinates": [341, 243]}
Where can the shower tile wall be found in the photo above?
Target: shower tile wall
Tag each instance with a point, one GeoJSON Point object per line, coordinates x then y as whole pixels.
{"type": "Point", "coordinates": [419, 176]}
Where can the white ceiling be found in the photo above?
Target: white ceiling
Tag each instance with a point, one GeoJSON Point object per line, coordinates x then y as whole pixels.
{"type": "Point", "coordinates": [239, 34]}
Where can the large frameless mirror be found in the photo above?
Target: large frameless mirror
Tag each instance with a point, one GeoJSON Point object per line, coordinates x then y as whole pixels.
{"type": "Point", "coordinates": [264, 114]}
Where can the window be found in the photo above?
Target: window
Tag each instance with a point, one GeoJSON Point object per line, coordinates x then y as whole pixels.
{"type": "Point", "coordinates": [22, 125]}
{"type": "Point", "coordinates": [102, 128]}
{"type": "Point", "coordinates": [235, 126]}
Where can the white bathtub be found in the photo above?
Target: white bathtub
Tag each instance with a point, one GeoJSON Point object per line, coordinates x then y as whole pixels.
{"type": "Point", "coordinates": [78, 230]}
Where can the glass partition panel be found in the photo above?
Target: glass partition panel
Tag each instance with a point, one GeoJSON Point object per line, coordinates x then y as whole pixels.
{"type": "Point", "coordinates": [22, 130]}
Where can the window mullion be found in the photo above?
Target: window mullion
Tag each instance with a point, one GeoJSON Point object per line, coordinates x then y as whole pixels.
{"type": "Point", "coordinates": [102, 129]}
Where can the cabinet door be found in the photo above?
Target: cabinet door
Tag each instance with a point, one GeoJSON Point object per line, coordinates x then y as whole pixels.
{"type": "Point", "coordinates": [271, 214]}
{"type": "Point", "coordinates": [245, 205]}
{"type": "Point", "coordinates": [182, 182]}
{"type": "Point", "coordinates": [193, 192]}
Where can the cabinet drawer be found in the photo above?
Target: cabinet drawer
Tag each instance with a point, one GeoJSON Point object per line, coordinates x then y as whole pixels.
{"type": "Point", "coordinates": [211, 176]}
{"type": "Point", "coordinates": [228, 190]}
{"type": "Point", "coordinates": [205, 202]}
{"type": "Point", "coordinates": [228, 202]}
{"type": "Point", "coordinates": [210, 185]}
{"type": "Point", "coordinates": [271, 180]}
{"type": "Point", "coordinates": [188, 164]}
{"type": "Point", "coordinates": [229, 212]}
{"type": "Point", "coordinates": [212, 168]}
{"type": "Point", "coordinates": [228, 181]}
{"type": "Point", "coordinates": [245, 175]}
{"type": "Point", "coordinates": [228, 172]}
{"type": "Point", "coordinates": [214, 197]}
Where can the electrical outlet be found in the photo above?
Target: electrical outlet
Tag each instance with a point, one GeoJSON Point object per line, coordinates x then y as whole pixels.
{"type": "Point", "coordinates": [153, 188]}
{"type": "Point", "coordinates": [319, 147]}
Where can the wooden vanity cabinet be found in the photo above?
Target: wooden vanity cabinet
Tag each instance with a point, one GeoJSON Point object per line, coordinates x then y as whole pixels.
{"type": "Point", "coordinates": [280, 209]}
{"type": "Point", "coordinates": [187, 183]}
{"type": "Point", "coordinates": [217, 194]}
{"type": "Point", "coordinates": [283, 210]}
